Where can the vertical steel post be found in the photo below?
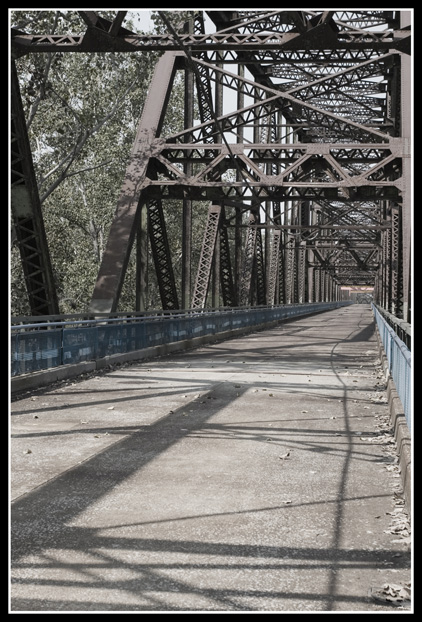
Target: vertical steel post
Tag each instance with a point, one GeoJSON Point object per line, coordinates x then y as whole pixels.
{"type": "Point", "coordinates": [281, 272]}
{"type": "Point", "coordinates": [301, 272]}
{"type": "Point", "coordinates": [226, 276]}
{"type": "Point", "coordinates": [396, 263]}
{"type": "Point", "coordinates": [317, 284]}
{"type": "Point", "coordinates": [260, 268]}
{"type": "Point", "coordinates": [310, 274]}
{"type": "Point", "coordinates": [289, 266]}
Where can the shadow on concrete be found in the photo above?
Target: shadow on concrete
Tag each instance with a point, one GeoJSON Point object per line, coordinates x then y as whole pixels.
{"type": "Point", "coordinates": [40, 522]}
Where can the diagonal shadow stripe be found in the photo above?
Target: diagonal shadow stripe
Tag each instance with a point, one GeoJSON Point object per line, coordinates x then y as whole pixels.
{"type": "Point", "coordinates": [38, 518]}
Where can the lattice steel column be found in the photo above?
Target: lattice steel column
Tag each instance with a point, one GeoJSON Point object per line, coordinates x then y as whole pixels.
{"type": "Point", "coordinates": [301, 249]}
{"type": "Point", "coordinates": [260, 270]}
{"type": "Point", "coordinates": [248, 260]}
{"type": "Point", "coordinates": [27, 214]}
{"type": "Point", "coordinates": [385, 270]}
{"type": "Point", "coordinates": [161, 255]}
{"type": "Point", "coordinates": [273, 270]}
{"type": "Point", "coordinates": [226, 275]}
{"type": "Point", "coordinates": [326, 287]}
{"type": "Point", "coordinates": [396, 264]}
{"type": "Point", "coordinates": [310, 275]}
{"type": "Point", "coordinates": [205, 262]}
{"type": "Point", "coordinates": [322, 285]}
{"type": "Point", "coordinates": [281, 285]}
{"type": "Point", "coordinates": [317, 285]}
{"type": "Point", "coordinates": [289, 268]}
{"type": "Point", "coordinates": [388, 269]}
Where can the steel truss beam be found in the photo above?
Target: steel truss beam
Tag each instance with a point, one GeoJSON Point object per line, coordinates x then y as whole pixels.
{"type": "Point", "coordinates": [316, 145]}
{"type": "Point", "coordinates": [207, 255]}
{"type": "Point", "coordinates": [23, 43]}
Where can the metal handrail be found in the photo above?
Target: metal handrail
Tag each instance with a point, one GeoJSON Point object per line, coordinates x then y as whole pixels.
{"type": "Point", "coordinates": [44, 345]}
{"type": "Point", "coordinates": [399, 359]}
{"type": "Point", "coordinates": [38, 322]}
{"type": "Point", "coordinates": [403, 329]}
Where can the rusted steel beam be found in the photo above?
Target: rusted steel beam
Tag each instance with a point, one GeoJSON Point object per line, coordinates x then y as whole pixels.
{"type": "Point", "coordinates": [112, 271]}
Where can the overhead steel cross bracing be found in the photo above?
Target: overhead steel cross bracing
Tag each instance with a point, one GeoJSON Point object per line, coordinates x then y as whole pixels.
{"type": "Point", "coordinates": [227, 39]}
{"type": "Point", "coordinates": [303, 136]}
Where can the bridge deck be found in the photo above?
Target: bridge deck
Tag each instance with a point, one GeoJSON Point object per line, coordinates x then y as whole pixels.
{"type": "Point", "coordinates": [256, 474]}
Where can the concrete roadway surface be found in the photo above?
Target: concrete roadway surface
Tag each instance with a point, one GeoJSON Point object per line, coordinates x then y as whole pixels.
{"type": "Point", "coordinates": [254, 475]}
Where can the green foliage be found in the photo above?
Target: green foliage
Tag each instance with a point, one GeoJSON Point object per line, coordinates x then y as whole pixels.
{"type": "Point", "coordinates": [178, 18]}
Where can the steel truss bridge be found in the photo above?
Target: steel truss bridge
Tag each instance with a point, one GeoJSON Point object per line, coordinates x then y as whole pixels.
{"type": "Point", "coordinates": [301, 152]}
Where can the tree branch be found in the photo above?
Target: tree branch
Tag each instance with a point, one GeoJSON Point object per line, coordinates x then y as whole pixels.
{"type": "Point", "coordinates": [71, 157]}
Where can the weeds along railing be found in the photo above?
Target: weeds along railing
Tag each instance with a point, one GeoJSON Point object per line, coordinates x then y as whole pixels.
{"type": "Point", "coordinates": [51, 342]}
{"type": "Point", "coordinates": [399, 361]}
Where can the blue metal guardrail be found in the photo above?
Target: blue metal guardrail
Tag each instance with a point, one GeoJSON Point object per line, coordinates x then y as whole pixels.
{"type": "Point", "coordinates": [399, 363]}
{"type": "Point", "coordinates": [44, 345]}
